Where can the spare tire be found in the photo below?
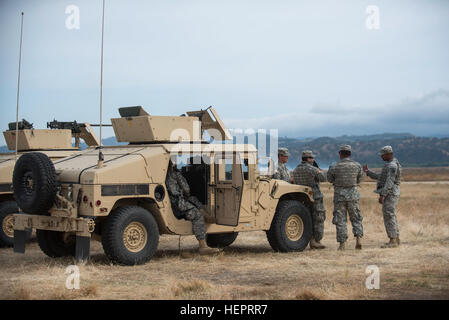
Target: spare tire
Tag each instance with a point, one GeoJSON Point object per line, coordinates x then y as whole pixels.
{"type": "Point", "coordinates": [34, 183]}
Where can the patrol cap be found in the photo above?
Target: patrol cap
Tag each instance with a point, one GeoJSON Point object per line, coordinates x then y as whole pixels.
{"type": "Point", "coordinates": [308, 154]}
{"type": "Point", "coordinates": [283, 152]}
{"type": "Point", "coordinates": [386, 150]}
{"type": "Point", "coordinates": [345, 147]}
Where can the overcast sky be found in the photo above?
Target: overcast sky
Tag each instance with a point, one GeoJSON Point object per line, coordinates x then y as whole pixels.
{"type": "Point", "coordinates": [308, 68]}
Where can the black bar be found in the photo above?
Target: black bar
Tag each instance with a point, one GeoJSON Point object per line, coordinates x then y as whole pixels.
{"type": "Point", "coordinates": [20, 237]}
{"type": "Point", "coordinates": [82, 250]}
{"type": "Point", "coordinates": [125, 189]}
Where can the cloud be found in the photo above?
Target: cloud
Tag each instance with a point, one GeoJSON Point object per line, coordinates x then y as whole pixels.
{"type": "Point", "coordinates": [422, 115]}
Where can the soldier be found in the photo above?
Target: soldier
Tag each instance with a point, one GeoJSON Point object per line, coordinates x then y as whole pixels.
{"type": "Point", "coordinates": [282, 172]}
{"type": "Point", "coordinates": [309, 175]}
{"type": "Point", "coordinates": [186, 206]}
{"type": "Point", "coordinates": [346, 175]}
{"type": "Point", "coordinates": [388, 188]}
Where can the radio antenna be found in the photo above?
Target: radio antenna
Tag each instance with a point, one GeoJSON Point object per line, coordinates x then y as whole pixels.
{"type": "Point", "coordinates": [100, 154]}
{"type": "Point", "coordinates": [18, 87]}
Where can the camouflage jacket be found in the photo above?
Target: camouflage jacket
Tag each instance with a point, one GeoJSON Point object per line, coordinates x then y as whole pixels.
{"type": "Point", "coordinates": [345, 175]}
{"type": "Point", "coordinates": [179, 192]}
{"type": "Point", "coordinates": [282, 173]}
{"type": "Point", "coordinates": [389, 180]}
{"type": "Point", "coordinates": [307, 175]}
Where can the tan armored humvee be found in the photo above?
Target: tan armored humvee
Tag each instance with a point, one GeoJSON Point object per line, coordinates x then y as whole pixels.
{"type": "Point", "coordinates": [120, 198]}
{"type": "Point", "coordinates": [55, 143]}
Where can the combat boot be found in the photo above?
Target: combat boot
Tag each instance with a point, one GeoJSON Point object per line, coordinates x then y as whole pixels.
{"type": "Point", "coordinates": [392, 244]}
{"type": "Point", "coordinates": [358, 244]}
{"type": "Point", "coordinates": [342, 246]}
{"type": "Point", "coordinates": [203, 249]}
{"type": "Point", "coordinates": [316, 244]}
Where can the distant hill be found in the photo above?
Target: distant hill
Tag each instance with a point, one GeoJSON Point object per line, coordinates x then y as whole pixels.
{"type": "Point", "coordinates": [375, 137]}
{"type": "Point", "coordinates": [411, 151]}
{"type": "Point", "coordinates": [111, 141]}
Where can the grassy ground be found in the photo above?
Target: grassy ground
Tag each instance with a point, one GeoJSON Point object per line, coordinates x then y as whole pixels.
{"type": "Point", "coordinates": [249, 269]}
{"type": "Point", "coordinates": [425, 174]}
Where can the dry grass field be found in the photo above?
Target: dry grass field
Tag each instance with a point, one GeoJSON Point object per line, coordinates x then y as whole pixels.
{"type": "Point", "coordinates": [249, 269]}
{"type": "Point", "coordinates": [425, 174]}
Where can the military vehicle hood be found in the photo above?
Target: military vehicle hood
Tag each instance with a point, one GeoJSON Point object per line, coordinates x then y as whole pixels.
{"type": "Point", "coordinates": [121, 165]}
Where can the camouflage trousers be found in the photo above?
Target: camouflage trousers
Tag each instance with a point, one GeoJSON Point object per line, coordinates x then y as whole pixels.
{"type": "Point", "coordinates": [389, 213]}
{"type": "Point", "coordinates": [318, 217]}
{"type": "Point", "coordinates": [341, 209]}
{"type": "Point", "coordinates": [191, 212]}
{"type": "Point", "coordinates": [198, 225]}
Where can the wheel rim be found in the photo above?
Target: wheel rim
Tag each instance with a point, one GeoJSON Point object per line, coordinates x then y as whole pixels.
{"type": "Point", "coordinates": [8, 225]}
{"type": "Point", "coordinates": [135, 237]}
{"type": "Point", "coordinates": [294, 227]}
{"type": "Point", "coordinates": [28, 183]}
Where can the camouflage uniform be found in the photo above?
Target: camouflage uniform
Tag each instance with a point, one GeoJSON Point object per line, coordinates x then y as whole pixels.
{"type": "Point", "coordinates": [282, 172]}
{"type": "Point", "coordinates": [307, 175]}
{"type": "Point", "coordinates": [185, 206]}
{"type": "Point", "coordinates": [388, 185]}
{"type": "Point", "coordinates": [346, 175]}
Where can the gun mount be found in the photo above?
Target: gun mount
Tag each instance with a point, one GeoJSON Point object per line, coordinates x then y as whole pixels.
{"type": "Point", "coordinates": [137, 126]}
{"type": "Point", "coordinates": [79, 131]}
{"type": "Point", "coordinates": [57, 137]}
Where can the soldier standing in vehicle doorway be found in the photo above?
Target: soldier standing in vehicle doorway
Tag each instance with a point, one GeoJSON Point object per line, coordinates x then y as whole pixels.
{"type": "Point", "coordinates": [307, 174]}
{"type": "Point", "coordinates": [346, 175]}
{"type": "Point", "coordinates": [282, 172]}
{"type": "Point", "coordinates": [388, 188]}
{"type": "Point", "coordinates": [187, 207]}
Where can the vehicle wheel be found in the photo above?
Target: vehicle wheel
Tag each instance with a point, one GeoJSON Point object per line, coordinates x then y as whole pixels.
{"type": "Point", "coordinates": [221, 240]}
{"type": "Point", "coordinates": [7, 209]}
{"type": "Point", "coordinates": [291, 228]}
{"type": "Point", "coordinates": [56, 244]}
{"type": "Point", "coordinates": [34, 182]}
{"type": "Point", "coordinates": [130, 235]}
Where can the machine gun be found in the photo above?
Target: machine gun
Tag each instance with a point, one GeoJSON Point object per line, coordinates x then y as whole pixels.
{"type": "Point", "coordinates": [79, 130]}
{"type": "Point", "coordinates": [315, 164]}
{"type": "Point", "coordinates": [71, 125]}
{"type": "Point", "coordinates": [22, 125]}
{"type": "Point", "coordinates": [74, 126]}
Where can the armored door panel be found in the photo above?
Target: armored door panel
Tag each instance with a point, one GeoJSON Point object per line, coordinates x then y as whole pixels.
{"type": "Point", "coordinates": [228, 189]}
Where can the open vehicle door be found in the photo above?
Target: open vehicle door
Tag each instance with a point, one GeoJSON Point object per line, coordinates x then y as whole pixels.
{"type": "Point", "coordinates": [228, 189]}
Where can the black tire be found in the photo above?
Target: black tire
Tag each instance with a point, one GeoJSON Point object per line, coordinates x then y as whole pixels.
{"type": "Point", "coordinates": [278, 234]}
{"type": "Point", "coordinates": [221, 240]}
{"type": "Point", "coordinates": [34, 182]}
{"type": "Point", "coordinates": [139, 221]}
{"type": "Point", "coordinates": [7, 209]}
{"type": "Point", "coordinates": [56, 244]}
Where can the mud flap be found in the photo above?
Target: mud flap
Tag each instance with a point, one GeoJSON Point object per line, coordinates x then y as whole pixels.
{"type": "Point", "coordinates": [20, 238]}
{"type": "Point", "coordinates": [82, 250]}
